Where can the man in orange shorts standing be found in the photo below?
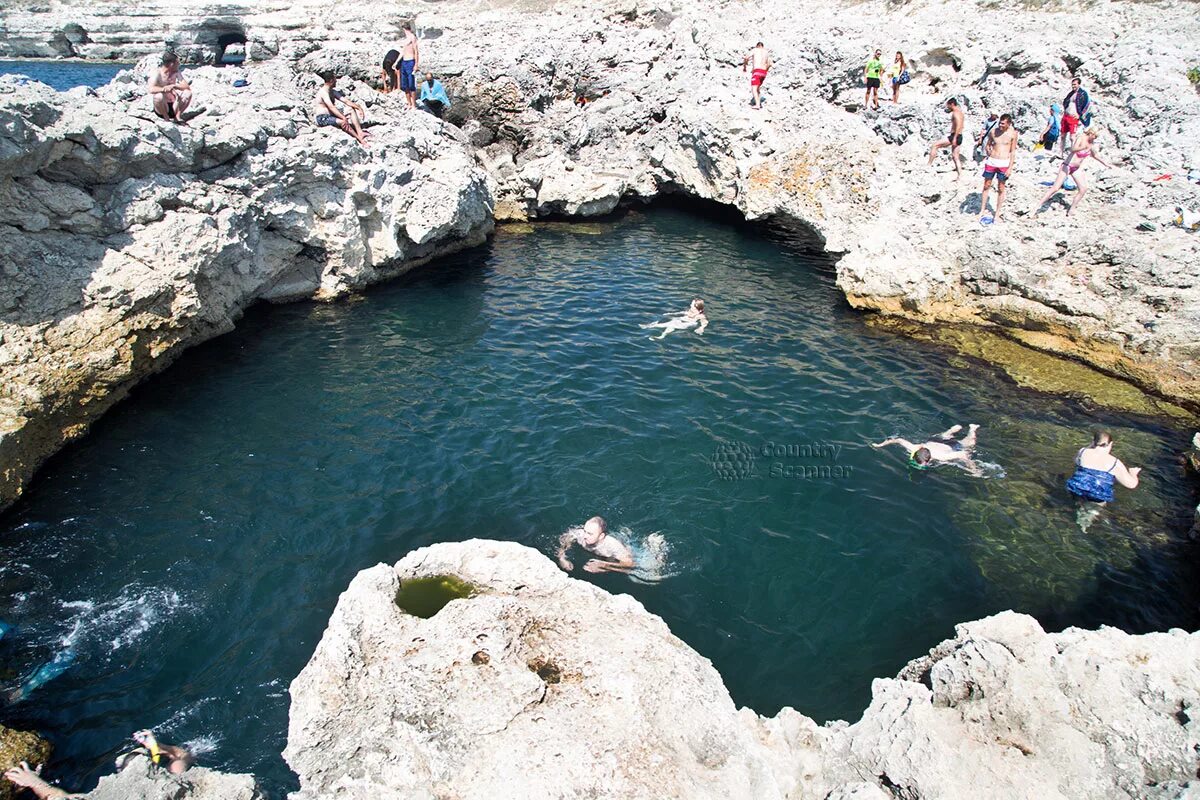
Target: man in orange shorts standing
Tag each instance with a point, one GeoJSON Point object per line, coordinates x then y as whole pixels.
{"type": "Point", "coordinates": [759, 61]}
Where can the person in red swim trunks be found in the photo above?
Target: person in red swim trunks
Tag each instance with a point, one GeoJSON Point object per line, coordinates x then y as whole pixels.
{"type": "Point", "coordinates": [759, 61]}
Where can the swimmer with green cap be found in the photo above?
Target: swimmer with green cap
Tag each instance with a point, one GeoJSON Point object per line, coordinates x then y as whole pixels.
{"type": "Point", "coordinates": [941, 449]}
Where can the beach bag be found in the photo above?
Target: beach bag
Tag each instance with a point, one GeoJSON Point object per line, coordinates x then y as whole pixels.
{"type": "Point", "coordinates": [904, 78]}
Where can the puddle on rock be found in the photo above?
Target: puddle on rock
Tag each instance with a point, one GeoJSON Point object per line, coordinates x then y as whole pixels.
{"type": "Point", "coordinates": [424, 597]}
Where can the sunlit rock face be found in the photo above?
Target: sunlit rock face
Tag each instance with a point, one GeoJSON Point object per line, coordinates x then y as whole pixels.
{"type": "Point", "coordinates": [537, 685]}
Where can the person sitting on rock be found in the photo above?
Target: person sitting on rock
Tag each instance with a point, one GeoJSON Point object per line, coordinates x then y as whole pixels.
{"type": "Point", "coordinates": [942, 448]}
{"type": "Point", "coordinates": [25, 777]}
{"type": "Point", "coordinates": [326, 111]}
{"type": "Point", "coordinates": [168, 90]}
{"type": "Point", "coordinates": [615, 555]}
{"type": "Point", "coordinates": [694, 317]}
{"type": "Point", "coordinates": [433, 96]}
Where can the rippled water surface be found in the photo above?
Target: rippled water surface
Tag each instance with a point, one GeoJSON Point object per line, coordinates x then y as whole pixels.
{"type": "Point", "coordinates": [189, 552]}
{"type": "Point", "coordinates": [63, 75]}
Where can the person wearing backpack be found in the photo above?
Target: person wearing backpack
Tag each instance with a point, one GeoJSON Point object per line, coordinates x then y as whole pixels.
{"type": "Point", "coordinates": [1049, 135]}
{"type": "Point", "coordinates": [900, 76]}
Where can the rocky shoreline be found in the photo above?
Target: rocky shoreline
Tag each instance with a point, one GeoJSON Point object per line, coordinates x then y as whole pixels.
{"type": "Point", "coordinates": [125, 240]}
{"type": "Point", "coordinates": [106, 195]}
{"type": "Point", "coordinates": [540, 685]}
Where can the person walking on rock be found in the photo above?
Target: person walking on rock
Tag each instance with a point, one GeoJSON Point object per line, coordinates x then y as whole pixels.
{"type": "Point", "coordinates": [1075, 111]}
{"type": "Point", "coordinates": [954, 140]}
{"type": "Point", "coordinates": [998, 166]}
{"type": "Point", "coordinates": [170, 93]}
{"type": "Point", "coordinates": [410, 62]}
{"type": "Point", "coordinates": [759, 61]}
{"type": "Point", "coordinates": [1083, 148]}
{"type": "Point", "coordinates": [872, 72]}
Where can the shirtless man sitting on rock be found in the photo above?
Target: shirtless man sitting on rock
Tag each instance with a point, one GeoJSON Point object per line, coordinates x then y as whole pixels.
{"type": "Point", "coordinates": [615, 555]}
{"type": "Point", "coordinates": [169, 91]}
{"type": "Point", "coordinates": [326, 111]}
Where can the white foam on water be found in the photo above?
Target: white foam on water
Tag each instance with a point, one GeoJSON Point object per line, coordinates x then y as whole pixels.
{"type": "Point", "coordinates": [651, 556]}
{"type": "Point", "coordinates": [113, 625]}
{"type": "Point", "coordinates": [203, 744]}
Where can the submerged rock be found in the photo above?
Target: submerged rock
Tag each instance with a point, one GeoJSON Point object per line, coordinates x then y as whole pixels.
{"type": "Point", "coordinates": [542, 686]}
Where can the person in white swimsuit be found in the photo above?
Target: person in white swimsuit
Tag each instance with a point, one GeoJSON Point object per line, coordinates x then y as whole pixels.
{"type": "Point", "coordinates": [692, 318]}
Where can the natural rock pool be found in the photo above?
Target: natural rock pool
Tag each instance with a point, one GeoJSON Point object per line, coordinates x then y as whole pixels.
{"type": "Point", "coordinates": [189, 551]}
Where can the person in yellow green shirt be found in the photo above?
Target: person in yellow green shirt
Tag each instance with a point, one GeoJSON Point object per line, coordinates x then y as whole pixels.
{"type": "Point", "coordinates": [873, 71]}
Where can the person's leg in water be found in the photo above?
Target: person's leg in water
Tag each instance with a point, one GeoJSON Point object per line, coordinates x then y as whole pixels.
{"type": "Point", "coordinates": [670, 326]}
{"type": "Point", "coordinates": [968, 441]}
{"type": "Point", "coordinates": [949, 432]}
{"type": "Point", "coordinates": [44, 674]}
{"type": "Point", "coordinates": [1086, 513]}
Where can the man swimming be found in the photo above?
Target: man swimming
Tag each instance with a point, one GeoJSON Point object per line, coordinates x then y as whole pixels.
{"type": "Point", "coordinates": [760, 63]}
{"type": "Point", "coordinates": [942, 448]}
{"type": "Point", "coordinates": [170, 93]}
{"type": "Point", "coordinates": [694, 317]}
{"type": "Point", "coordinates": [615, 555]}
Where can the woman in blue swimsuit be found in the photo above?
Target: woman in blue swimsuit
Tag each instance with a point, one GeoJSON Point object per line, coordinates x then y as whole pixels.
{"type": "Point", "coordinates": [1097, 469]}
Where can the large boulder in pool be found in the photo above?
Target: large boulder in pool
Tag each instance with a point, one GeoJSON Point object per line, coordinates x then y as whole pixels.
{"type": "Point", "coordinates": [538, 685]}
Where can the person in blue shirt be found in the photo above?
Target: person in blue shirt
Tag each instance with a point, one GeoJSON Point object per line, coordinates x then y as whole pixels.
{"type": "Point", "coordinates": [433, 96]}
{"type": "Point", "coordinates": [1049, 136]}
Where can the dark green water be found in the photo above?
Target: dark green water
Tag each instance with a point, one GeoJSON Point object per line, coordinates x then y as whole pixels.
{"type": "Point", "coordinates": [191, 549]}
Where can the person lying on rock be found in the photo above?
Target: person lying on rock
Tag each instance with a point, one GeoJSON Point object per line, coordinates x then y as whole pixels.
{"type": "Point", "coordinates": [25, 777]}
{"type": "Point", "coordinates": [433, 96]}
{"type": "Point", "coordinates": [615, 555]}
{"type": "Point", "coordinates": [694, 317]}
{"type": "Point", "coordinates": [942, 448]}
{"type": "Point", "coordinates": [170, 93]}
{"type": "Point", "coordinates": [326, 111]}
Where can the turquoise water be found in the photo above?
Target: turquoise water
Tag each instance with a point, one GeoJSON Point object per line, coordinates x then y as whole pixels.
{"type": "Point", "coordinates": [63, 75]}
{"type": "Point", "coordinates": [191, 549]}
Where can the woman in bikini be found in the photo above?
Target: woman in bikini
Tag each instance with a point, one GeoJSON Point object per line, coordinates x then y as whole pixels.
{"type": "Point", "coordinates": [1082, 148]}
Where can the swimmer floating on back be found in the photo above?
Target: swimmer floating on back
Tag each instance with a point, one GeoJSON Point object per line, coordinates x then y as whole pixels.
{"type": "Point", "coordinates": [615, 555]}
{"type": "Point", "coordinates": [941, 449]}
{"type": "Point", "coordinates": [693, 317]}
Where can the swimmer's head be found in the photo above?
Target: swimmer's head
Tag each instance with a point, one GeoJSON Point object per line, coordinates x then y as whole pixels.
{"type": "Point", "coordinates": [922, 457]}
{"type": "Point", "coordinates": [594, 530]}
{"type": "Point", "coordinates": [698, 304]}
{"type": "Point", "coordinates": [1102, 439]}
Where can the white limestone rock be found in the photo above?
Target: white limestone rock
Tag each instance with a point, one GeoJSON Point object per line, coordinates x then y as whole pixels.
{"type": "Point", "coordinates": [543, 686]}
